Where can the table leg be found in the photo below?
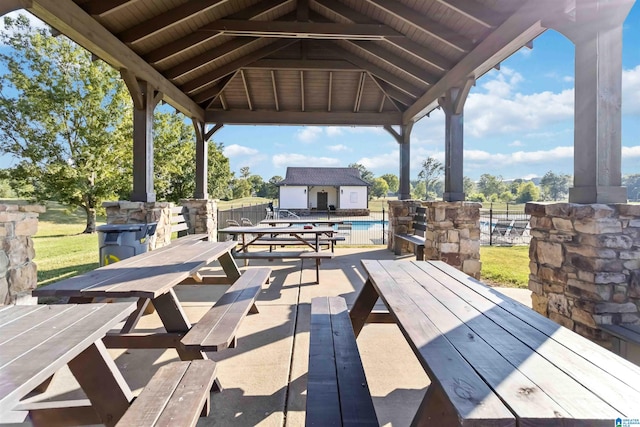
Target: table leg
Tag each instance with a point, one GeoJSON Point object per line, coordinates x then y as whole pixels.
{"type": "Point", "coordinates": [133, 319]}
{"type": "Point", "coordinates": [435, 409]}
{"type": "Point", "coordinates": [229, 266]}
{"type": "Point", "coordinates": [175, 320]}
{"type": "Point", "coordinates": [364, 303]}
{"type": "Point", "coordinates": [102, 382]}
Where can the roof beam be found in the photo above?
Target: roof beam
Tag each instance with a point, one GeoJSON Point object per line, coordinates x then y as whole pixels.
{"type": "Point", "coordinates": [302, 64]}
{"type": "Point", "coordinates": [202, 34]}
{"type": "Point", "coordinates": [476, 11]}
{"type": "Point", "coordinates": [102, 7]}
{"type": "Point", "coordinates": [246, 90]}
{"type": "Point", "coordinates": [215, 91]}
{"type": "Point", "coordinates": [76, 24]}
{"type": "Point", "coordinates": [232, 66]}
{"type": "Point", "coordinates": [378, 71]}
{"type": "Point", "coordinates": [421, 52]}
{"type": "Point", "coordinates": [396, 61]}
{"type": "Point", "coordinates": [275, 90]}
{"type": "Point", "coordinates": [236, 117]}
{"type": "Point", "coordinates": [209, 56]}
{"type": "Point", "coordinates": [167, 19]}
{"type": "Point", "coordinates": [425, 24]}
{"type": "Point", "coordinates": [394, 93]}
{"type": "Point", "coordinates": [306, 30]}
{"type": "Point", "coordinates": [521, 27]}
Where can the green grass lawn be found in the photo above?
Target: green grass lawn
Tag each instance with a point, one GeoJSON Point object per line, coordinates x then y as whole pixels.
{"type": "Point", "coordinates": [62, 251]}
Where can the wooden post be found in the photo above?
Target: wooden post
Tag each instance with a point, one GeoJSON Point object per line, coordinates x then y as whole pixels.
{"type": "Point", "coordinates": [202, 156]}
{"type": "Point", "coordinates": [453, 106]}
{"type": "Point", "coordinates": [596, 32]}
{"type": "Point", "coordinates": [404, 140]}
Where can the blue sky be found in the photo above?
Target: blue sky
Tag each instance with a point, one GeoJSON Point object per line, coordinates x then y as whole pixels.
{"type": "Point", "coordinates": [518, 123]}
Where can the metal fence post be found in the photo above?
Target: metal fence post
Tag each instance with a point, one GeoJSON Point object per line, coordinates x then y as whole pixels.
{"type": "Point", "coordinates": [490, 225]}
{"type": "Point", "coordinates": [383, 231]}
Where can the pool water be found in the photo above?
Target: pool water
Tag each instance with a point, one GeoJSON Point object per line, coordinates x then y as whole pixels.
{"type": "Point", "coordinates": [367, 225]}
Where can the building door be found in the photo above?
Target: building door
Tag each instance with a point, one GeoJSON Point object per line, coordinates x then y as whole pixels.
{"type": "Point", "coordinates": [322, 201]}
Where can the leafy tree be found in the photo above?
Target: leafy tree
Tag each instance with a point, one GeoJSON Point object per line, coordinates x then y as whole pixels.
{"type": "Point", "coordinates": [241, 188]}
{"type": "Point", "coordinates": [515, 184]}
{"type": "Point", "coordinates": [365, 173]}
{"type": "Point", "coordinates": [527, 192]}
{"type": "Point", "coordinates": [489, 185]}
{"type": "Point", "coordinates": [245, 172]}
{"type": "Point", "coordinates": [632, 182]}
{"type": "Point", "coordinates": [392, 181]}
{"type": "Point", "coordinates": [380, 187]}
{"type": "Point", "coordinates": [272, 188]}
{"type": "Point", "coordinates": [476, 197]}
{"type": "Point", "coordinates": [419, 191]}
{"type": "Point", "coordinates": [555, 186]}
{"type": "Point", "coordinates": [507, 196]}
{"type": "Point", "coordinates": [468, 186]}
{"type": "Point", "coordinates": [257, 184]}
{"type": "Point", "coordinates": [66, 117]}
{"type": "Point", "coordinates": [430, 173]}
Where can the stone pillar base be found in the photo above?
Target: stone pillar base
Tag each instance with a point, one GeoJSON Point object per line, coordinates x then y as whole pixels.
{"type": "Point", "coordinates": [203, 217]}
{"type": "Point", "coordinates": [125, 212]}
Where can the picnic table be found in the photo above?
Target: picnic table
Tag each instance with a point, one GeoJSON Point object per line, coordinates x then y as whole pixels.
{"type": "Point", "coordinates": [491, 360]}
{"type": "Point", "coordinates": [152, 276]}
{"type": "Point", "coordinates": [290, 222]}
{"type": "Point", "coordinates": [37, 340]}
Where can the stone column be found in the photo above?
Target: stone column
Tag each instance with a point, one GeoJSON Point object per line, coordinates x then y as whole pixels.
{"type": "Point", "coordinates": [453, 235]}
{"type": "Point", "coordinates": [585, 265]}
{"type": "Point", "coordinates": [203, 217]}
{"type": "Point", "coordinates": [125, 212]}
{"type": "Point", "coordinates": [18, 272]}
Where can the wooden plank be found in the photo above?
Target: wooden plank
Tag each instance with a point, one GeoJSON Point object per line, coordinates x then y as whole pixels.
{"type": "Point", "coordinates": [283, 255]}
{"type": "Point", "coordinates": [612, 392]}
{"type": "Point", "coordinates": [505, 363]}
{"type": "Point", "coordinates": [477, 403]}
{"type": "Point", "coordinates": [15, 321]}
{"type": "Point", "coordinates": [143, 340]}
{"type": "Point", "coordinates": [362, 306]}
{"type": "Point", "coordinates": [355, 398]}
{"type": "Point", "coordinates": [322, 378]}
{"type": "Point", "coordinates": [61, 413]}
{"type": "Point", "coordinates": [625, 332]}
{"type": "Point", "coordinates": [305, 117]}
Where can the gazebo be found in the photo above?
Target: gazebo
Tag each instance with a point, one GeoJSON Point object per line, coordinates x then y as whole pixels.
{"type": "Point", "coordinates": [386, 63]}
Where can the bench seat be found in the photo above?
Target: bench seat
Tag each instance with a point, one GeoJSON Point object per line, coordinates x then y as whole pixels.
{"type": "Point", "coordinates": [337, 390]}
{"type": "Point", "coordinates": [325, 241]}
{"type": "Point", "coordinates": [177, 395]}
{"type": "Point", "coordinates": [218, 327]}
{"type": "Point", "coordinates": [626, 342]}
{"type": "Point", "coordinates": [288, 255]}
{"type": "Point", "coordinates": [417, 239]}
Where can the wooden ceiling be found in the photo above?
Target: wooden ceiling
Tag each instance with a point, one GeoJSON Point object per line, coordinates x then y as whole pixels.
{"type": "Point", "coordinates": [333, 62]}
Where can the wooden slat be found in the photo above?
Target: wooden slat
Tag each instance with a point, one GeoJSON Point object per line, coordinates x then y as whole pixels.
{"type": "Point", "coordinates": [283, 255]}
{"type": "Point", "coordinates": [478, 402]}
{"type": "Point", "coordinates": [625, 332]}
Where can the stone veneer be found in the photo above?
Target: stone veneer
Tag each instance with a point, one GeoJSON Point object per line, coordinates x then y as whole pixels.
{"type": "Point", "coordinates": [585, 265]}
{"type": "Point", "coordinates": [202, 217]}
{"type": "Point", "coordinates": [453, 231]}
{"type": "Point", "coordinates": [18, 272]}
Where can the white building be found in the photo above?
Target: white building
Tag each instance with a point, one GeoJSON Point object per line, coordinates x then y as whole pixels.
{"type": "Point", "coordinates": [321, 189]}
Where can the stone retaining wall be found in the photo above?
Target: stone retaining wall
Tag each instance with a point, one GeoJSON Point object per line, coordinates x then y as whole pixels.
{"type": "Point", "coordinates": [585, 265]}
{"type": "Point", "coordinates": [203, 217]}
{"type": "Point", "coordinates": [452, 236]}
{"type": "Point", "coordinates": [18, 272]}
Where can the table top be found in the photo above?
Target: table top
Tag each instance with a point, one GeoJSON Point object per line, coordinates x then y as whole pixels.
{"type": "Point", "coordinates": [301, 221]}
{"type": "Point", "coordinates": [146, 275]}
{"type": "Point", "coordinates": [37, 340]}
{"type": "Point", "coordinates": [540, 369]}
{"type": "Point", "coordinates": [276, 230]}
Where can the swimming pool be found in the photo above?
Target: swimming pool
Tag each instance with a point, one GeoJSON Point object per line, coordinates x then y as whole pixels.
{"type": "Point", "coordinates": [367, 225]}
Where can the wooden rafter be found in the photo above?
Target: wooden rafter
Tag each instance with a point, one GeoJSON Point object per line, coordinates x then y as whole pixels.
{"type": "Point", "coordinates": [307, 30]}
{"type": "Point", "coordinates": [304, 64]}
{"type": "Point", "coordinates": [303, 118]}
{"type": "Point", "coordinates": [356, 104]}
{"type": "Point", "coordinates": [421, 52]}
{"type": "Point", "coordinates": [425, 24]}
{"type": "Point", "coordinates": [275, 90]}
{"type": "Point", "coordinates": [246, 89]}
{"type": "Point", "coordinates": [476, 11]}
{"type": "Point", "coordinates": [385, 89]}
{"type": "Point", "coordinates": [223, 101]}
{"type": "Point", "coordinates": [232, 66]}
{"type": "Point", "coordinates": [201, 35]}
{"type": "Point", "coordinates": [383, 99]}
{"type": "Point", "coordinates": [396, 61]}
{"type": "Point", "coordinates": [378, 71]}
{"type": "Point", "coordinates": [302, 90]}
{"type": "Point", "coordinates": [102, 7]}
{"type": "Point", "coordinates": [209, 56]}
{"type": "Point", "coordinates": [167, 19]}
{"type": "Point", "coordinates": [330, 90]}
{"type": "Point", "coordinates": [211, 94]}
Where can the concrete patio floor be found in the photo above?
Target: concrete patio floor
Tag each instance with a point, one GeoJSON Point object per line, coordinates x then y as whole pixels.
{"type": "Point", "coordinates": [264, 378]}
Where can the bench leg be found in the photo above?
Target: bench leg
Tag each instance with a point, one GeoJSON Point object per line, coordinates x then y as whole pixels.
{"type": "Point", "coordinates": [435, 409]}
{"type": "Point", "coordinates": [397, 246]}
{"type": "Point", "coordinates": [362, 306]}
{"type": "Point", "coordinates": [254, 309]}
{"type": "Point", "coordinates": [175, 320]}
{"type": "Point", "coordinates": [419, 253]}
{"type": "Point", "coordinates": [318, 270]}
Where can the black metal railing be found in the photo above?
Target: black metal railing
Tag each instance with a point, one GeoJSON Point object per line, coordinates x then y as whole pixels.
{"type": "Point", "coordinates": [505, 227]}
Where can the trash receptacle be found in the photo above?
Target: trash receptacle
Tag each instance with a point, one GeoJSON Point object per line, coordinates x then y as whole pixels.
{"type": "Point", "coordinates": [120, 241]}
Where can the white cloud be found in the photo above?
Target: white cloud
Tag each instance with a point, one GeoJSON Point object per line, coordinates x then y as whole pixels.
{"type": "Point", "coordinates": [631, 91]}
{"type": "Point", "coordinates": [518, 157]}
{"type": "Point", "coordinates": [516, 143]}
{"type": "Point", "coordinates": [291, 159]}
{"type": "Point", "coordinates": [382, 161]}
{"type": "Point", "coordinates": [631, 152]}
{"type": "Point", "coordinates": [339, 147]}
{"type": "Point", "coordinates": [568, 79]}
{"type": "Point", "coordinates": [234, 150]}
{"type": "Point", "coordinates": [309, 134]}
{"type": "Point", "coordinates": [333, 131]}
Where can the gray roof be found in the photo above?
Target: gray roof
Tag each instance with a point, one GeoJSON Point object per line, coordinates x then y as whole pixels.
{"type": "Point", "coordinates": [323, 176]}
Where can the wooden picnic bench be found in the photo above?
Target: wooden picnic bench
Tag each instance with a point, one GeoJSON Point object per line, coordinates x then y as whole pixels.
{"type": "Point", "coordinates": [626, 340]}
{"type": "Point", "coordinates": [417, 238]}
{"type": "Point", "coordinates": [337, 390]}
{"type": "Point", "coordinates": [301, 255]}
{"type": "Point", "coordinates": [327, 241]}
{"type": "Point", "coordinates": [491, 360]}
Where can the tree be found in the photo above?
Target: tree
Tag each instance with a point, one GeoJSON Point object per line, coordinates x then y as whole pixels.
{"type": "Point", "coordinates": [430, 173]}
{"type": "Point", "coordinates": [365, 173]}
{"type": "Point", "coordinates": [245, 172]}
{"type": "Point", "coordinates": [489, 185]}
{"type": "Point", "coordinates": [257, 184]}
{"type": "Point", "coordinates": [272, 188]}
{"type": "Point", "coordinates": [632, 182]}
{"type": "Point", "coordinates": [468, 186]}
{"type": "Point", "coordinates": [241, 188]}
{"type": "Point", "coordinates": [379, 188]}
{"type": "Point", "coordinates": [555, 186]}
{"type": "Point", "coordinates": [419, 191]}
{"type": "Point", "coordinates": [527, 192]}
{"type": "Point", "coordinates": [392, 181]}
{"type": "Point", "coordinates": [65, 117]}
